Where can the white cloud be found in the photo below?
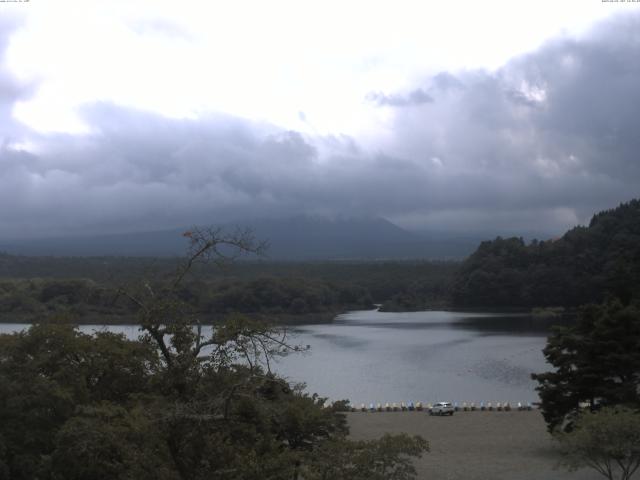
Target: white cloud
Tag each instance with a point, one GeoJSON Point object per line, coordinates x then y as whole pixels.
{"type": "Point", "coordinates": [120, 131]}
{"type": "Point", "coordinates": [266, 60]}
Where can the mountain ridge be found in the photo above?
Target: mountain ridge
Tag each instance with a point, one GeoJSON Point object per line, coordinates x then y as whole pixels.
{"type": "Point", "coordinates": [302, 237]}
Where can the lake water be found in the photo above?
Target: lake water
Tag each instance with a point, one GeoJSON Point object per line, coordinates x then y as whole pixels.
{"type": "Point", "coordinates": [370, 356]}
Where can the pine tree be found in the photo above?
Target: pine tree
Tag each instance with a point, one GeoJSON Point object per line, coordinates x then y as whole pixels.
{"type": "Point", "coordinates": [597, 362]}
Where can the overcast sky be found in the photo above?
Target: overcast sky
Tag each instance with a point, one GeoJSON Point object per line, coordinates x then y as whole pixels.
{"type": "Point", "coordinates": [467, 116]}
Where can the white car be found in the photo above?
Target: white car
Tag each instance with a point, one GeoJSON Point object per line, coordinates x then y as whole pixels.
{"type": "Point", "coordinates": [442, 408]}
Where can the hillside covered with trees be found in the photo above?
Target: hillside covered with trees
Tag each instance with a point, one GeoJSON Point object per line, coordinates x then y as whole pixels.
{"type": "Point", "coordinates": [585, 265]}
{"type": "Point", "coordinates": [32, 288]}
{"type": "Point", "coordinates": [34, 299]}
{"type": "Point", "coordinates": [174, 404]}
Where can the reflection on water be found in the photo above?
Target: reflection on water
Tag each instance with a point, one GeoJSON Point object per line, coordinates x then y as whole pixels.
{"type": "Point", "coordinates": [511, 324]}
{"type": "Point", "coordinates": [343, 342]}
{"type": "Point", "coordinates": [371, 356]}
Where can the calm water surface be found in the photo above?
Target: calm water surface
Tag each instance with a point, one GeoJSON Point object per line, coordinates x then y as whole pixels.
{"type": "Point", "coordinates": [370, 356]}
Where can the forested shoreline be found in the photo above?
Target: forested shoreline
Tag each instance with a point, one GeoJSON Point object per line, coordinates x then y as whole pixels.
{"type": "Point", "coordinates": [87, 289]}
{"type": "Point", "coordinates": [586, 265]}
{"type": "Point", "coordinates": [133, 407]}
{"type": "Point", "coordinates": [174, 403]}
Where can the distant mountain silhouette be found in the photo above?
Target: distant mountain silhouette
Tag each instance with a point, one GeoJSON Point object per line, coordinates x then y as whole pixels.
{"type": "Point", "coordinates": [146, 244]}
{"type": "Point", "coordinates": [294, 238]}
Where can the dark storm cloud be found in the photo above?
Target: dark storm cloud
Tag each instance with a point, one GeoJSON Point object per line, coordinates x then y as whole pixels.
{"type": "Point", "coordinates": [540, 144]}
{"type": "Point", "coordinates": [560, 125]}
{"type": "Point", "coordinates": [415, 97]}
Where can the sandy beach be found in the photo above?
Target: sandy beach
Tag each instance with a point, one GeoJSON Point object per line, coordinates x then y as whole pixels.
{"type": "Point", "coordinates": [474, 445]}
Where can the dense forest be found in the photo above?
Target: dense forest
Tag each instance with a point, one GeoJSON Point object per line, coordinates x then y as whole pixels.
{"type": "Point", "coordinates": [585, 265]}
{"type": "Point", "coordinates": [173, 404]}
{"type": "Point", "coordinates": [88, 288]}
{"type": "Point", "coordinates": [89, 301]}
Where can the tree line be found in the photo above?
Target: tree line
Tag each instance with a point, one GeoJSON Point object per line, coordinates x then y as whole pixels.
{"type": "Point", "coordinates": [174, 404]}
{"type": "Point", "coordinates": [585, 265]}
{"type": "Point", "coordinates": [31, 288]}
{"type": "Point", "coordinates": [33, 299]}
{"type": "Point", "coordinates": [591, 398]}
